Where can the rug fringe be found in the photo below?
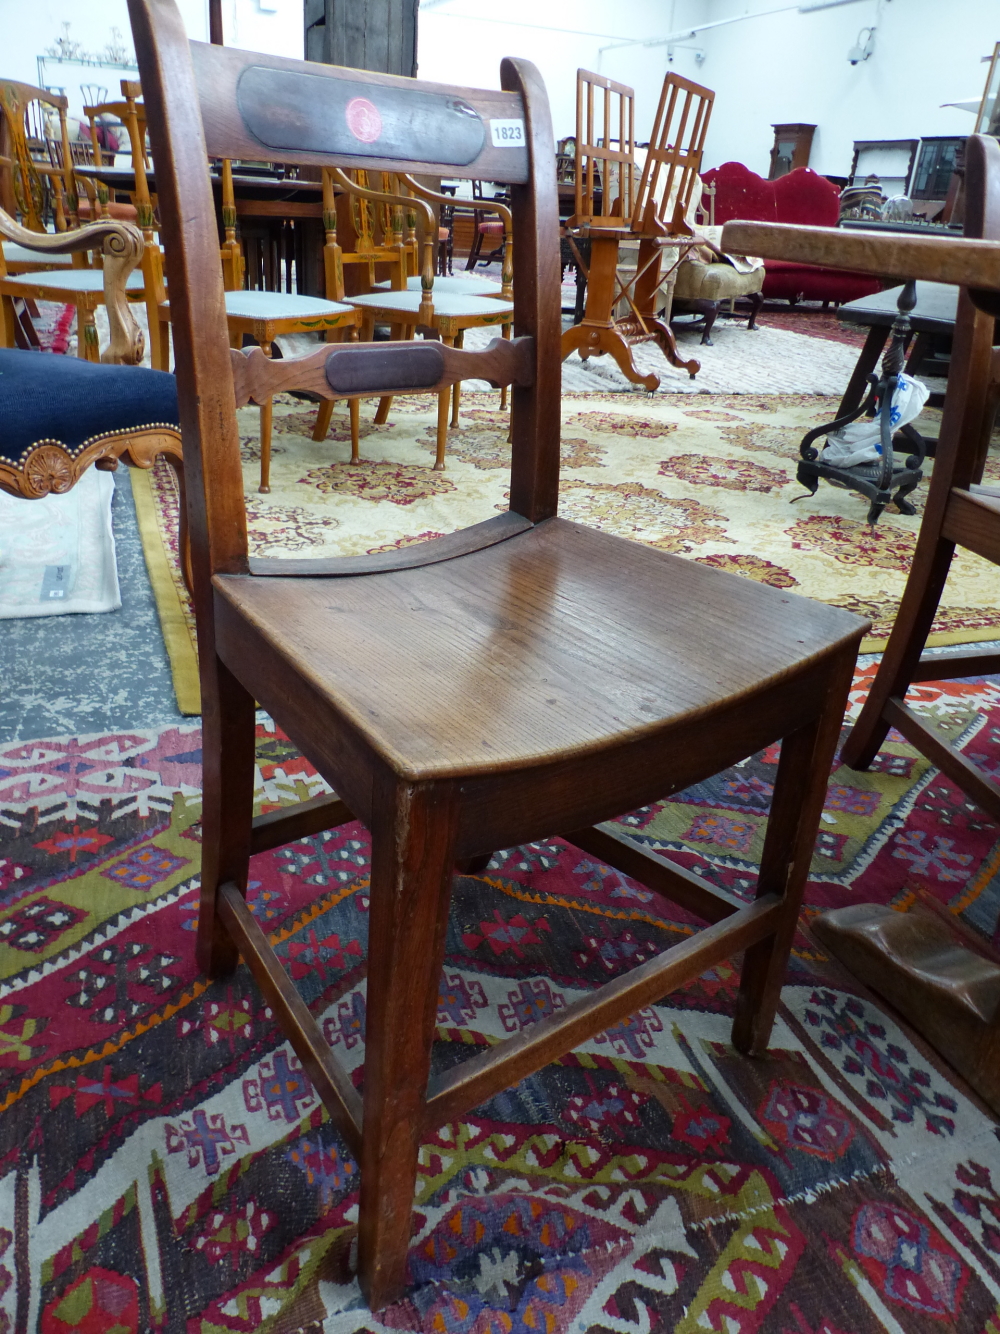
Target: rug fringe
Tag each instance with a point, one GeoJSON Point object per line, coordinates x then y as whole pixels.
{"type": "Point", "coordinates": [176, 636]}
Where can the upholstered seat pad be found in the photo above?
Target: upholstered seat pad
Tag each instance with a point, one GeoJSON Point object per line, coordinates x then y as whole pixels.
{"type": "Point", "coordinates": [446, 304]}
{"type": "Point", "coordinates": [715, 282]}
{"type": "Point", "coordinates": [66, 399]}
{"type": "Point", "coordinates": [21, 254]}
{"type": "Point", "coordinates": [453, 286]}
{"type": "Point", "coordinates": [280, 306]}
{"type": "Point", "coordinates": [73, 280]}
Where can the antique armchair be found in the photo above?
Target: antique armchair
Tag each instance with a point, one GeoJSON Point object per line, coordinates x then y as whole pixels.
{"type": "Point", "coordinates": [522, 678]}
{"type": "Point", "coordinates": [60, 414]}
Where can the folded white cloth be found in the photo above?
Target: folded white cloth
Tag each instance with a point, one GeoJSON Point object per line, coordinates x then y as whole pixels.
{"type": "Point", "coordinates": [861, 442]}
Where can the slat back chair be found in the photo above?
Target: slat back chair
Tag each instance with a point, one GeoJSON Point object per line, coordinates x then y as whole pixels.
{"type": "Point", "coordinates": [605, 169]}
{"type": "Point", "coordinates": [522, 678]}
{"type": "Point", "coordinates": [612, 207]}
{"type": "Point", "coordinates": [26, 182]}
{"type": "Point", "coordinates": [673, 158]}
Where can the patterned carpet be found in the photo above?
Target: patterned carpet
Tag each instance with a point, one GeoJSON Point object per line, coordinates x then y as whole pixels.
{"type": "Point", "coordinates": [166, 1165]}
{"type": "Point", "coordinates": [712, 479]}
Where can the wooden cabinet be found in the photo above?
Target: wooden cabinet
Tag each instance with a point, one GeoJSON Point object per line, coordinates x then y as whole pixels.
{"type": "Point", "coordinates": [792, 146]}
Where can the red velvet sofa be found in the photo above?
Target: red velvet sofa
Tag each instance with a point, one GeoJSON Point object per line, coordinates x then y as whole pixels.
{"type": "Point", "coordinates": [803, 196]}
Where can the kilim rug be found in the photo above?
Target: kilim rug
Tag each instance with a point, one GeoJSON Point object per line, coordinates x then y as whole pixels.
{"type": "Point", "coordinates": [710, 478]}
{"type": "Point", "coordinates": [166, 1165]}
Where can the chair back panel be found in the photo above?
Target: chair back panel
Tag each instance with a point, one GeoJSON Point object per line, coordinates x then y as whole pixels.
{"type": "Point", "coordinates": [673, 158]}
{"type": "Point", "coordinates": [191, 96]}
{"type": "Point", "coordinates": [605, 149]}
{"type": "Point", "coordinates": [257, 106]}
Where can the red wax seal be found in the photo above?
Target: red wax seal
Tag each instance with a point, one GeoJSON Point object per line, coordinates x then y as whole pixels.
{"type": "Point", "coordinates": [363, 119]}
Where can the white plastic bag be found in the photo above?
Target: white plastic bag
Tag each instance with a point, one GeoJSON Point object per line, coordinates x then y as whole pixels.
{"type": "Point", "coordinates": [861, 442]}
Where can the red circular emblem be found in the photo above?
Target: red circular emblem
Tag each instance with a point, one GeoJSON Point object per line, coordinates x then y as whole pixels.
{"type": "Point", "coordinates": [363, 119]}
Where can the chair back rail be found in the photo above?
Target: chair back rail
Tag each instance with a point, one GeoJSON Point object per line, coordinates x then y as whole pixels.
{"type": "Point", "coordinates": [203, 100]}
{"type": "Point", "coordinates": [22, 123]}
{"type": "Point", "coordinates": [268, 106]}
{"type": "Point", "coordinates": [938, 259]}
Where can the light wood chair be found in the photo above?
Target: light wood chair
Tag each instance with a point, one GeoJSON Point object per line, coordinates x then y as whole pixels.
{"type": "Point", "coordinates": [446, 315]}
{"type": "Point", "coordinates": [263, 316]}
{"type": "Point", "coordinates": [523, 678]}
{"type": "Point", "coordinates": [613, 206]}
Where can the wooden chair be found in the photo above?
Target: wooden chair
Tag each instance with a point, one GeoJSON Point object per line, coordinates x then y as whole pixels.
{"type": "Point", "coordinates": [524, 678]}
{"type": "Point", "coordinates": [612, 207]}
{"type": "Point", "coordinates": [494, 228]}
{"type": "Point", "coordinates": [30, 186]}
{"type": "Point", "coordinates": [262, 316]}
{"type": "Point", "coordinates": [62, 415]}
{"type": "Point", "coordinates": [446, 315]}
{"type": "Point", "coordinates": [959, 512]}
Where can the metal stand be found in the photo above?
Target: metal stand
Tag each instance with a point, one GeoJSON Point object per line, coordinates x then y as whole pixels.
{"type": "Point", "coordinates": [882, 476]}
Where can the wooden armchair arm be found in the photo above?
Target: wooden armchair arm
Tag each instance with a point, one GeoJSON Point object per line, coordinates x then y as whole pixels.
{"type": "Point", "coordinates": [895, 256]}
{"type": "Point", "coordinates": [419, 206]}
{"type": "Point", "coordinates": [121, 245]}
{"type": "Point", "coordinates": [481, 206]}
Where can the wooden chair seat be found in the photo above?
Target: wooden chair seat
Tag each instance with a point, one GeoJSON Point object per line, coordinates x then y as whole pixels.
{"type": "Point", "coordinates": [972, 519]}
{"type": "Point", "coordinates": [513, 626]}
{"type": "Point", "coordinates": [451, 285]}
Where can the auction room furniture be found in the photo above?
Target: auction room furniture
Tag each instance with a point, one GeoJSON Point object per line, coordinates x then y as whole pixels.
{"type": "Point", "coordinates": [30, 186]}
{"type": "Point", "coordinates": [260, 315]}
{"type": "Point", "coordinates": [445, 314]}
{"type": "Point", "coordinates": [61, 415]}
{"type": "Point", "coordinates": [803, 196]}
{"type": "Point", "coordinates": [523, 678]}
{"type": "Point", "coordinates": [934, 313]}
{"type": "Point", "coordinates": [702, 284]}
{"type": "Point", "coordinates": [493, 228]}
{"type": "Point", "coordinates": [791, 149]}
{"type": "Point", "coordinates": [950, 994]}
{"type": "Point", "coordinates": [613, 206]}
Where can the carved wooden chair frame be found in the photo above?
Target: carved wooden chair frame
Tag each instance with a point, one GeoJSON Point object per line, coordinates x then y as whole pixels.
{"type": "Point", "coordinates": [48, 466]}
{"type": "Point", "coordinates": [26, 174]}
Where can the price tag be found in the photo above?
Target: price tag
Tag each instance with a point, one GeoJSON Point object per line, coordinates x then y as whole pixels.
{"type": "Point", "coordinates": [507, 133]}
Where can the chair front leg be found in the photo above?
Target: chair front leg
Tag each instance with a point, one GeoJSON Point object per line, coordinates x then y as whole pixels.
{"type": "Point", "coordinates": [799, 793]}
{"type": "Point", "coordinates": [88, 344]}
{"type": "Point", "coordinates": [266, 413]}
{"type": "Point", "coordinates": [227, 811]}
{"type": "Point", "coordinates": [413, 856]}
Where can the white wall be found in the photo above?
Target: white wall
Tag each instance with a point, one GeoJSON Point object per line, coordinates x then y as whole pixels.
{"type": "Point", "coordinates": [793, 67]}
{"type": "Point", "coordinates": [788, 67]}
{"type": "Point", "coordinates": [30, 27]}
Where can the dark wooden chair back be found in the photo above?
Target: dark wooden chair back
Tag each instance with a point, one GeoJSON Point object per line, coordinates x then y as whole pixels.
{"type": "Point", "coordinates": [605, 172]}
{"type": "Point", "coordinates": [673, 158]}
{"type": "Point", "coordinates": [205, 100]}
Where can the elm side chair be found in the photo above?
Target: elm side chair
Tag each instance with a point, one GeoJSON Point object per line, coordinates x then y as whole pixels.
{"type": "Point", "coordinates": [524, 678]}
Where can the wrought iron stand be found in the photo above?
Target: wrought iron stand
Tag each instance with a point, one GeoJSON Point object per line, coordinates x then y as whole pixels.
{"type": "Point", "coordinates": [880, 478]}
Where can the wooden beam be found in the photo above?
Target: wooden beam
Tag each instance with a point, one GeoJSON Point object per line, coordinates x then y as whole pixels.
{"type": "Point", "coordinates": [477, 1079]}
{"type": "Point", "coordinates": [291, 823]}
{"type": "Point", "coordinates": [293, 1016]}
{"type": "Point", "coordinates": [940, 752]}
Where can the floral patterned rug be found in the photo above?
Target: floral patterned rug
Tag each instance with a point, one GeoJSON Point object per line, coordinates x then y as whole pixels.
{"type": "Point", "coordinates": [712, 478]}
